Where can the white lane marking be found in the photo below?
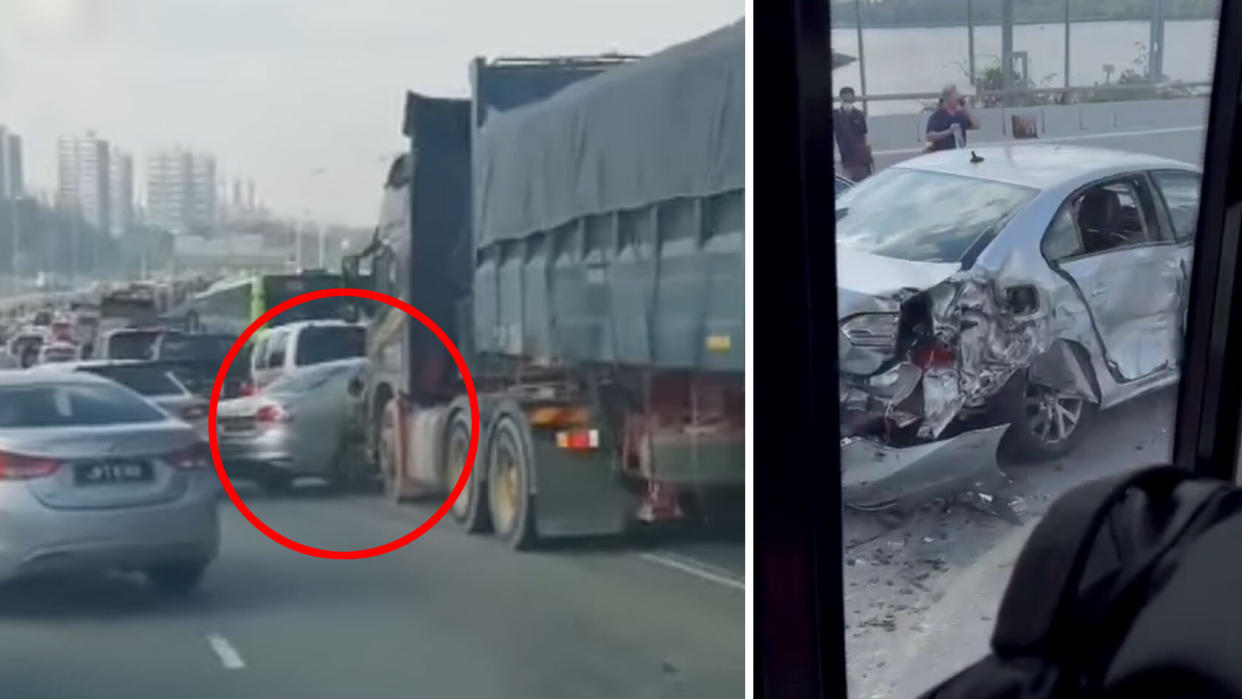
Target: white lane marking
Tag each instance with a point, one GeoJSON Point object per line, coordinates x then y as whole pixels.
{"type": "Point", "coordinates": [696, 569]}
{"type": "Point", "coordinates": [229, 657]}
{"type": "Point", "coordinates": [1058, 139]}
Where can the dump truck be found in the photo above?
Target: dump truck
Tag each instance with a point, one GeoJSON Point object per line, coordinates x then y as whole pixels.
{"type": "Point", "coordinates": [577, 228]}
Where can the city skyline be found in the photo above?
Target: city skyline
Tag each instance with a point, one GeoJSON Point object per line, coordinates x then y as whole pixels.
{"type": "Point", "coordinates": [306, 98]}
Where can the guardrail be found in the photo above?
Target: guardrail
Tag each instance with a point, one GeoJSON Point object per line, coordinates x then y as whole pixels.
{"type": "Point", "coordinates": [1036, 91]}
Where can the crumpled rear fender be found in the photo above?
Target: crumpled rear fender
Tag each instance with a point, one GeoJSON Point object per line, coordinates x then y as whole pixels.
{"type": "Point", "coordinates": [875, 475]}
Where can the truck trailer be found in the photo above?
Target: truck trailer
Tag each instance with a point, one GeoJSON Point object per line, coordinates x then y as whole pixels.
{"type": "Point", "coordinates": [577, 228]}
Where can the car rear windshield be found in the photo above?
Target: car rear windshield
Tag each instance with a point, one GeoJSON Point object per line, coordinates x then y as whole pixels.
{"type": "Point", "coordinates": [329, 343]}
{"type": "Point", "coordinates": [63, 405]}
{"type": "Point", "coordinates": [924, 216]}
{"type": "Point", "coordinates": [304, 382]}
{"type": "Point", "coordinates": [149, 381]}
{"type": "Point", "coordinates": [195, 346]}
{"type": "Point", "coordinates": [127, 308]}
{"type": "Point", "coordinates": [132, 345]}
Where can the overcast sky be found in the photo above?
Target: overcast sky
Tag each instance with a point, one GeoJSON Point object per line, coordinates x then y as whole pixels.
{"type": "Point", "coordinates": [280, 89]}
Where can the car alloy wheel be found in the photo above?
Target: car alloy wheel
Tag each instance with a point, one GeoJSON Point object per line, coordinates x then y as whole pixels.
{"type": "Point", "coordinates": [1051, 414]}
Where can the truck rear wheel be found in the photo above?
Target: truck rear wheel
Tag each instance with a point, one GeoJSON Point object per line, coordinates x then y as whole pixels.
{"type": "Point", "coordinates": [509, 471]}
{"type": "Point", "coordinates": [468, 510]}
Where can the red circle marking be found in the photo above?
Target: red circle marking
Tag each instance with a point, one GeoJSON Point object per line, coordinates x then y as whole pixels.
{"type": "Point", "coordinates": [395, 544]}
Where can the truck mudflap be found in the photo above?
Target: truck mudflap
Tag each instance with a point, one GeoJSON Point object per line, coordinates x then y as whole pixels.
{"type": "Point", "coordinates": [876, 476]}
{"type": "Point", "coordinates": [578, 492]}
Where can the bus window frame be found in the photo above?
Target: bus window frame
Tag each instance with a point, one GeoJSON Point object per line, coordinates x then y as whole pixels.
{"type": "Point", "coordinates": [798, 607]}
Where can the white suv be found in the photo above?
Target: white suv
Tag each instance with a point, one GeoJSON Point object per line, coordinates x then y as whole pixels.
{"type": "Point", "coordinates": [286, 348]}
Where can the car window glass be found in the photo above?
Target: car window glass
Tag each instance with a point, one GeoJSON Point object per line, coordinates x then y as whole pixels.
{"type": "Point", "coordinates": [1180, 191]}
{"type": "Point", "coordinates": [258, 353]}
{"type": "Point", "coordinates": [149, 381]}
{"type": "Point", "coordinates": [1062, 239]}
{"type": "Point", "coordinates": [924, 216]}
{"type": "Point", "coordinates": [65, 405]}
{"type": "Point", "coordinates": [131, 345]}
{"type": "Point", "coordinates": [194, 346]}
{"type": "Point", "coordinates": [276, 350]}
{"type": "Point", "coordinates": [1111, 216]}
{"type": "Point", "coordinates": [302, 382]}
{"type": "Point", "coordinates": [329, 343]}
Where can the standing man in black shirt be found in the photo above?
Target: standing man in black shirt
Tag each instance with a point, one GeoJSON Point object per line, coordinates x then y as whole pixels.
{"type": "Point", "coordinates": [850, 126]}
{"type": "Point", "coordinates": [947, 126]}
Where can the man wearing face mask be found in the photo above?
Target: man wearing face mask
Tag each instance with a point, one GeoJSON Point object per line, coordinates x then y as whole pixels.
{"type": "Point", "coordinates": [850, 126]}
{"type": "Point", "coordinates": [947, 126]}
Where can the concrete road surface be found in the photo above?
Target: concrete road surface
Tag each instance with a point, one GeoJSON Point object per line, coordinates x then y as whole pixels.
{"type": "Point", "coordinates": [447, 616]}
{"type": "Point", "coordinates": [921, 592]}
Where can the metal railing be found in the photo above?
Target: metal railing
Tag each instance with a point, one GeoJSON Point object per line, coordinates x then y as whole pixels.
{"type": "Point", "coordinates": [1019, 91]}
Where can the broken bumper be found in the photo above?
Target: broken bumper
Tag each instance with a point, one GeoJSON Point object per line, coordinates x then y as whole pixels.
{"type": "Point", "coordinates": [875, 476]}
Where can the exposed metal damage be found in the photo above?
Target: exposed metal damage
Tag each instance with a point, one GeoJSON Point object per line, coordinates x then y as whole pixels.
{"type": "Point", "coordinates": [922, 370]}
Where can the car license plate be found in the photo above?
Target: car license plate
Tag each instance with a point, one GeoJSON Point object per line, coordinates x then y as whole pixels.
{"type": "Point", "coordinates": [237, 424]}
{"type": "Point", "coordinates": [110, 472]}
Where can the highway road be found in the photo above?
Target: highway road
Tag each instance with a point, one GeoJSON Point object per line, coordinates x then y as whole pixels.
{"type": "Point", "coordinates": [921, 592]}
{"type": "Point", "coordinates": [447, 616]}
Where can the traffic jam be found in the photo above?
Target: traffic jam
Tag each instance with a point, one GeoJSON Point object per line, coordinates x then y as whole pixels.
{"type": "Point", "coordinates": [598, 411]}
{"type": "Point", "coordinates": [104, 407]}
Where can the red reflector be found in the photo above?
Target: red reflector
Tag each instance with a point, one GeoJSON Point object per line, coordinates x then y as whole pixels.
{"type": "Point", "coordinates": [19, 467]}
{"type": "Point", "coordinates": [578, 439]}
{"type": "Point", "coordinates": [247, 389]}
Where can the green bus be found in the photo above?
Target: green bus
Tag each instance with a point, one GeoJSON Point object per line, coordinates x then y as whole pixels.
{"type": "Point", "coordinates": [230, 306]}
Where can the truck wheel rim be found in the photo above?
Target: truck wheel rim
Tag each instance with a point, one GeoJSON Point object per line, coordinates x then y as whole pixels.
{"type": "Point", "coordinates": [1051, 415]}
{"type": "Point", "coordinates": [504, 482]}
{"type": "Point", "coordinates": [459, 444]}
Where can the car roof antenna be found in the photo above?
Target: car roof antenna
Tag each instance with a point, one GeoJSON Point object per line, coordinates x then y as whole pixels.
{"type": "Point", "coordinates": [975, 158]}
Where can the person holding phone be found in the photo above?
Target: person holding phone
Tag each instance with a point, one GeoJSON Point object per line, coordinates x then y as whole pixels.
{"type": "Point", "coordinates": [947, 126]}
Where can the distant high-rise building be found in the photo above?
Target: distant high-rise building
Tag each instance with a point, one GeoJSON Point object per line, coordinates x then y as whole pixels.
{"type": "Point", "coordinates": [181, 191]}
{"type": "Point", "coordinates": [121, 189]}
{"type": "Point", "coordinates": [11, 185]}
{"type": "Point", "coordinates": [15, 178]}
{"type": "Point", "coordinates": [84, 178]}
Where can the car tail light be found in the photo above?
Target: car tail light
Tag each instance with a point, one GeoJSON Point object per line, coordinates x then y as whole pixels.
{"type": "Point", "coordinates": [933, 355]}
{"type": "Point", "coordinates": [271, 414]}
{"type": "Point", "coordinates": [194, 412]}
{"type": "Point", "coordinates": [248, 389]}
{"type": "Point", "coordinates": [193, 457]}
{"type": "Point", "coordinates": [15, 467]}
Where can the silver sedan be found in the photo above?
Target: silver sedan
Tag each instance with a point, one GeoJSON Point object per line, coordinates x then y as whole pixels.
{"type": "Point", "coordinates": [1001, 296]}
{"type": "Point", "coordinates": [92, 475]}
{"type": "Point", "coordinates": [302, 424]}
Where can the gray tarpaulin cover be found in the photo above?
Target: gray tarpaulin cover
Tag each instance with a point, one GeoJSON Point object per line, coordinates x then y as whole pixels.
{"type": "Point", "coordinates": [669, 126]}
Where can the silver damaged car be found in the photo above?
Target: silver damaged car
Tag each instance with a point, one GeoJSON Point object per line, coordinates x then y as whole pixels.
{"type": "Point", "coordinates": [997, 299]}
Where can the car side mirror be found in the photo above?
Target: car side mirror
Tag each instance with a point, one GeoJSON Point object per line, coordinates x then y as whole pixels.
{"type": "Point", "coordinates": [356, 387]}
